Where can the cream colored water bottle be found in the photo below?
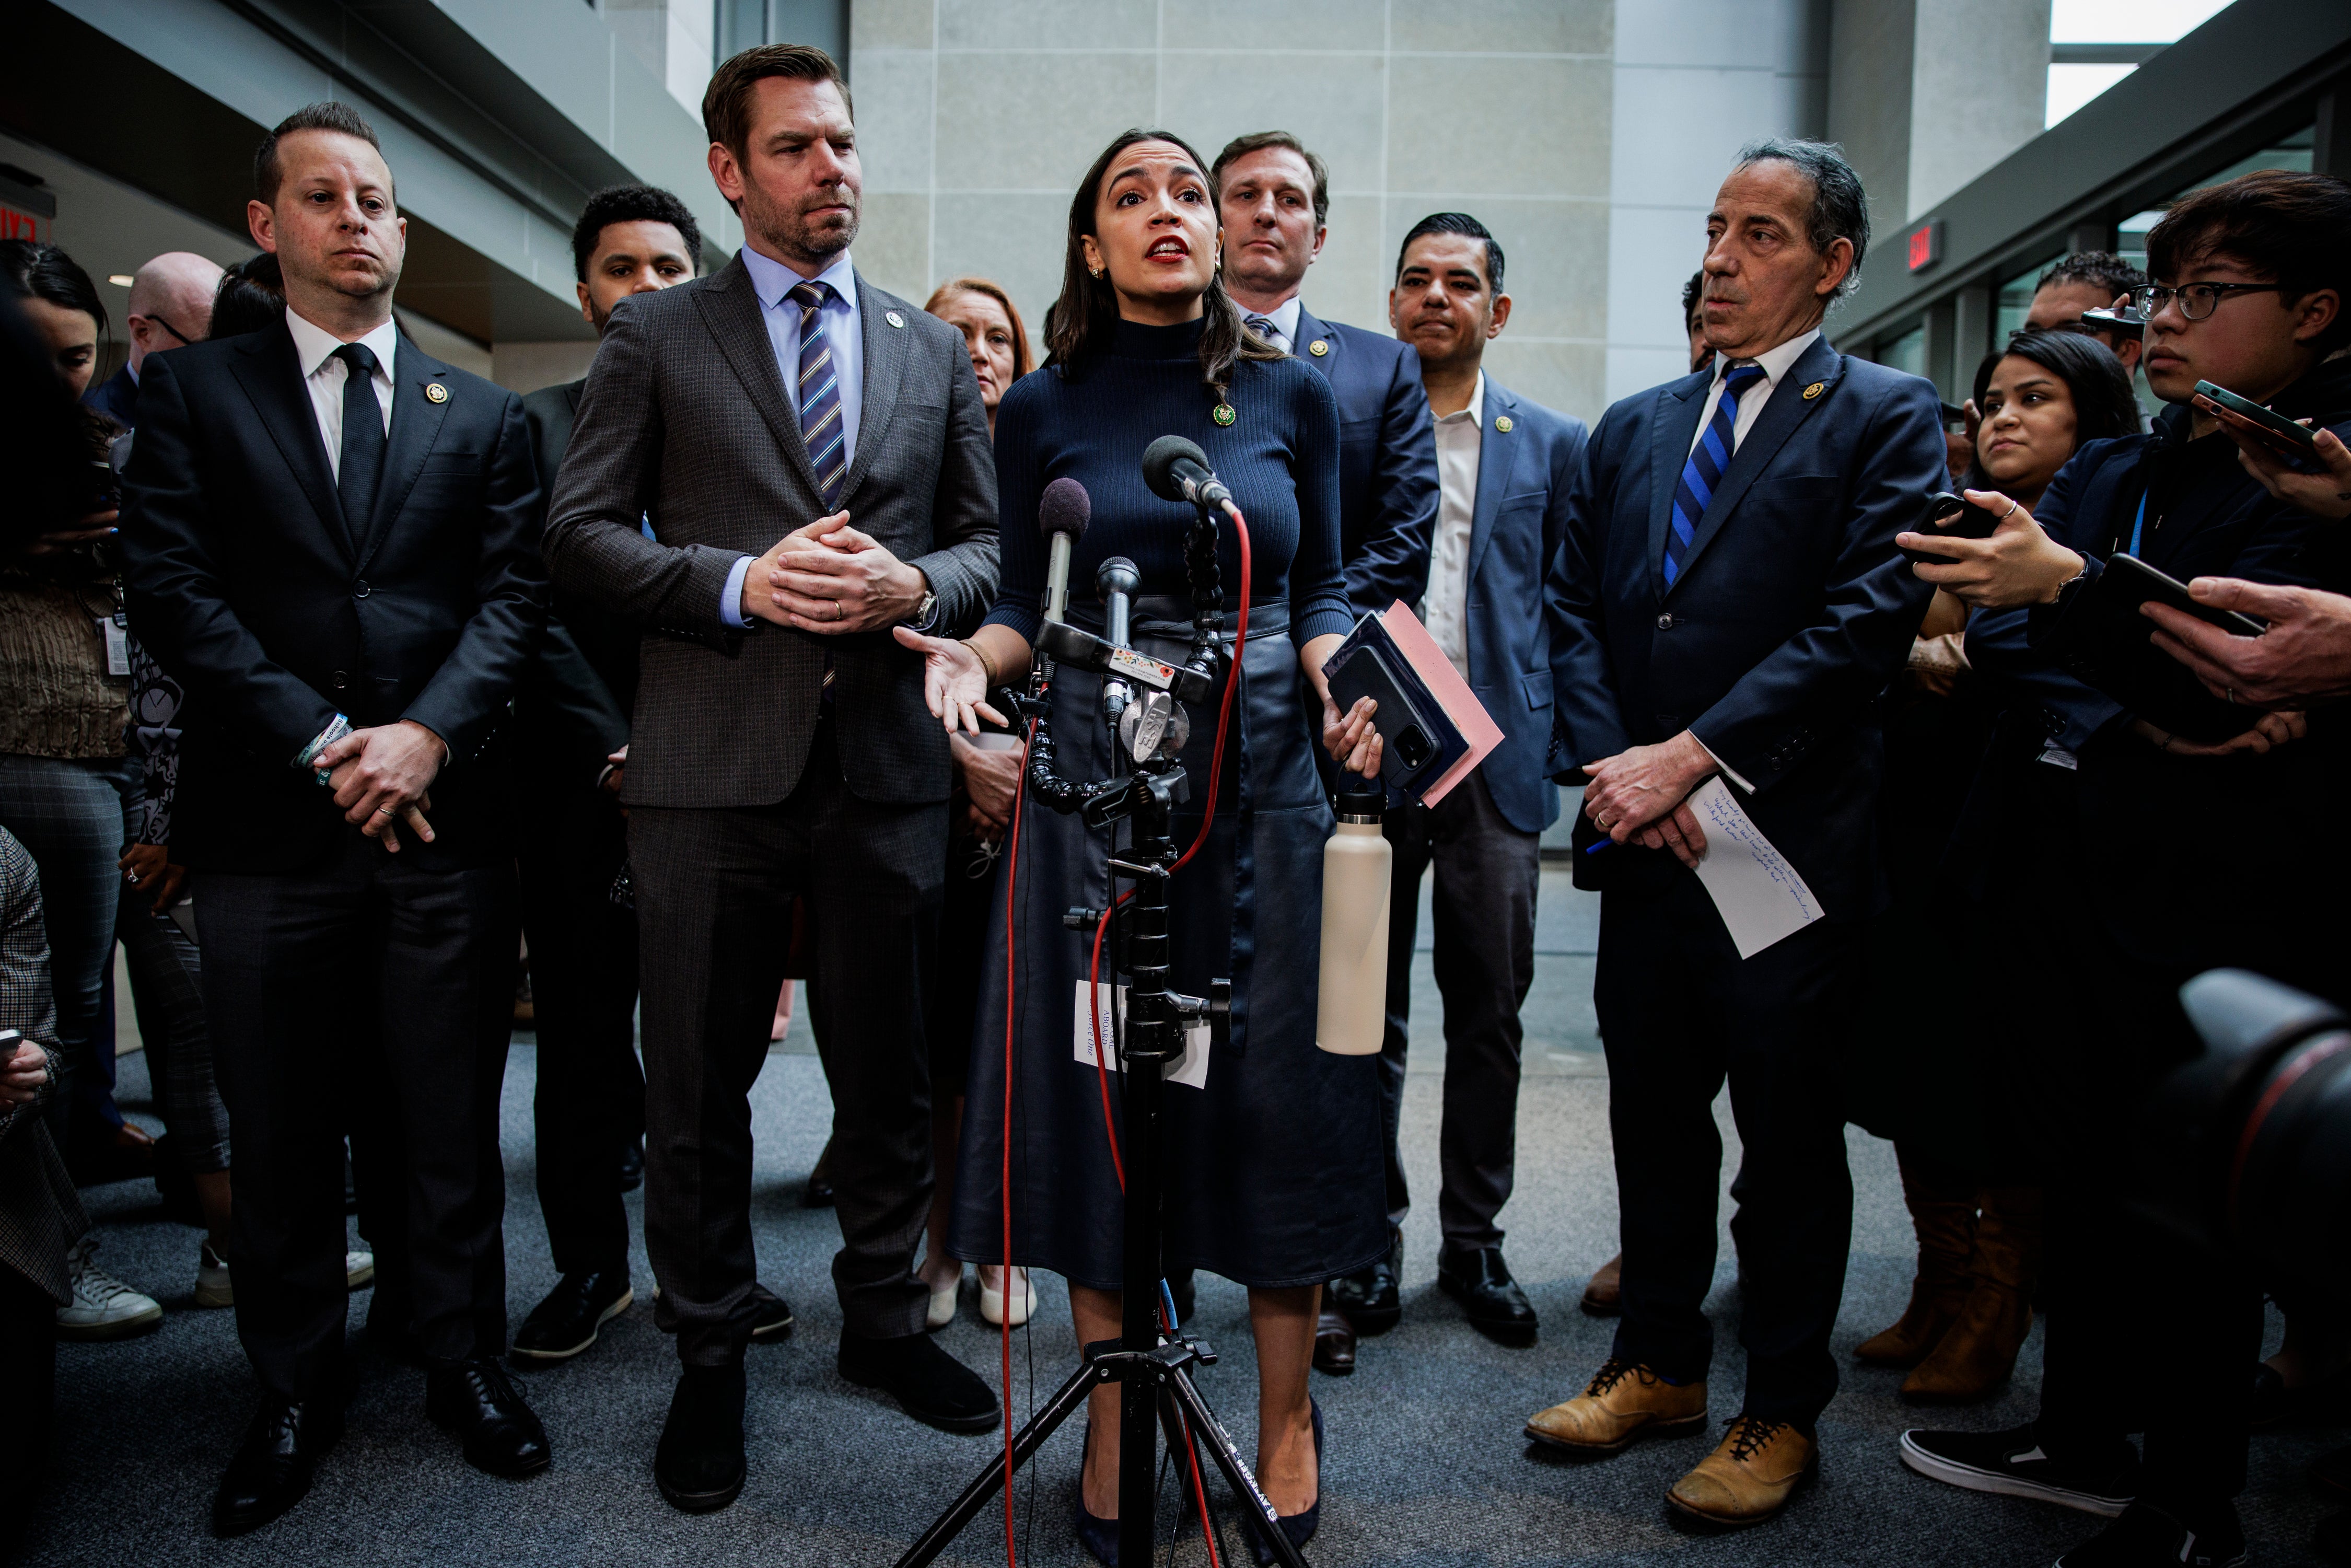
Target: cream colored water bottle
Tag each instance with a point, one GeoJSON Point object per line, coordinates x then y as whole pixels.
{"type": "Point", "coordinates": [1352, 1016]}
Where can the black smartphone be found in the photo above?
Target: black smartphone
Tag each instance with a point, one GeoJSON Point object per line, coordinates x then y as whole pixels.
{"type": "Point", "coordinates": [1950, 516]}
{"type": "Point", "coordinates": [2137, 583]}
{"type": "Point", "coordinates": [1410, 742]}
{"type": "Point", "coordinates": [2272, 429]}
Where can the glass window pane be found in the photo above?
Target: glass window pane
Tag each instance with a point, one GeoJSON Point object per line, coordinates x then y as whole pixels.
{"type": "Point", "coordinates": [2015, 302]}
{"type": "Point", "coordinates": [2291, 154]}
{"type": "Point", "coordinates": [1906, 352]}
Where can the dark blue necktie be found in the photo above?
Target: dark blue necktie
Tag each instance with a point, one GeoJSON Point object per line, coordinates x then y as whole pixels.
{"type": "Point", "coordinates": [1706, 461]}
{"type": "Point", "coordinates": [362, 463]}
{"type": "Point", "coordinates": [819, 394]}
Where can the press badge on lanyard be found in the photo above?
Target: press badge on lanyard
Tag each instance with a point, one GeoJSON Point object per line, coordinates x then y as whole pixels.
{"type": "Point", "coordinates": [116, 629]}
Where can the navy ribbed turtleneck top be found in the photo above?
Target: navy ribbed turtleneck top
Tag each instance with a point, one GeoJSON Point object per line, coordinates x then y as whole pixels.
{"type": "Point", "coordinates": [1280, 455]}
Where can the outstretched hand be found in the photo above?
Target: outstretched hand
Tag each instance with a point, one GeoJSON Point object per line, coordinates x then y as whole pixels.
{"type": "Point", "coordinates": [955, 683]}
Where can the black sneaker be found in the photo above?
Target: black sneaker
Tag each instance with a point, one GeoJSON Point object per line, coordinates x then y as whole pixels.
{"type": "Point", "coordinates": [570, 1318]}
{"type": "Point", "coordinates": [770, 1318]}
{"type": "Point", "coordinates": [2145, 1536]}
{"type": "Point", "coordinates": [2011, 1464]}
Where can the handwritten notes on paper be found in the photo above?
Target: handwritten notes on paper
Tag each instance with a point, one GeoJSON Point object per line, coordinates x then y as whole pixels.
{"type": "Point", "coordinates": [1759, 897]}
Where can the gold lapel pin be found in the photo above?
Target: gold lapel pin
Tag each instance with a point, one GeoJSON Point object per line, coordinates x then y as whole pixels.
{"type": "Point", "coordinates": [1223, 413]}
{"type": "Point", "coordinates": [894, 319]}
{"type": "Point", "coordinates": [1503, 423]}
{"type": "Point", "coordinates": [435, 393]}
{"type": "Point", "coordinates": [1816, 390]}
{"type": "Point", "coordinates": [1317, 348]}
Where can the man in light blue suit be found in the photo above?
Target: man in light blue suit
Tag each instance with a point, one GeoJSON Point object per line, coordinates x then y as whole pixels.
{"type": "Point", "coordinates": [1504, 466]}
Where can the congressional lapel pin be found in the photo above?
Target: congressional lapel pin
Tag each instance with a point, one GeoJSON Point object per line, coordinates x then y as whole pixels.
{"type": "Point", "coordinates": [1503, 423]}
{"type": "Point", "coordinates": [1223, 413]}
{"type": "Point", "coordinates": [1317, 348]}
{"type": "Point", "coordinates": [894, 319]}
{"type": "Point", "coordinates": [435, 393]}
{"type": "Point", "coordinates": [1816, 390]}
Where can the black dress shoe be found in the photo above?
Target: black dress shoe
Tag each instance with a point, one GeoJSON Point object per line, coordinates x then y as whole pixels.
{"type": "Point", "coordinates": [818, 1194]}
{"type": "Point", "coordinates": [271, 1469]}
{"type": "Point", "coordinates": [632, 1165]}
{"type": "Point", "coordinates": [770, 1318]}
{"type": "Point", "coordinates": [931, 1386]}
{"type": "Point", "coordinates": [567, 1321]}
{"type": "Point", "coordinates": [1370, 1298]}
{"type": "Point", "coordinates": [477, 1400]}
{"type": "Point", "coordinates": [1481, 1283]}
{"type": "Point", "coordinates": [1334, 1344]}
{"type": "Point", "coordinates": [699, 1465]}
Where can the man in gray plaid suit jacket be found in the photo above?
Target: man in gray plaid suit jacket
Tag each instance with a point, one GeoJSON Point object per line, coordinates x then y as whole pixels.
{"type": "Point", "coordinates": [811, 459]}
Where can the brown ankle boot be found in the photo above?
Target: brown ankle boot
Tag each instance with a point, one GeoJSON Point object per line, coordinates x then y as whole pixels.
{"type": "Point", "coordinates": [1944, 1217]}
{"type": "Point", "coordinates": [1978, 1353]}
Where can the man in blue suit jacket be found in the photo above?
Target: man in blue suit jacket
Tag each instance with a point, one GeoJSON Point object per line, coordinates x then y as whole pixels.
{"type": "Point", "coordinates": [1504, 466]}
{"type": "Point", "coordinates": [1729, 600]}
{"type": "Point", "coordinates": [1272, 196]}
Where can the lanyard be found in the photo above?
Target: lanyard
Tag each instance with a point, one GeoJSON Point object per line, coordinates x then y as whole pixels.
{"type": "Point", "coordinates": [2138, 523]}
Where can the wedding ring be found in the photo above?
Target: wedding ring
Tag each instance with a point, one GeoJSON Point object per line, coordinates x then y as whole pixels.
{"type": "Point", "coordinates": [2232, 703]}
{"type": "Point", "coordinates": [131, 877]}
{"type": "Point", "coordinates": [2012, 508]}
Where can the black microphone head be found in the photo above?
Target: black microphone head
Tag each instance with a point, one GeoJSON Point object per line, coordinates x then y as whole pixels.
{"type": "Point", "coordinates": [1116, 575]}
{"type": "Point", "coordinates": [1064, 508]}
{"type": "Point", "coordinates": [1159, 461]}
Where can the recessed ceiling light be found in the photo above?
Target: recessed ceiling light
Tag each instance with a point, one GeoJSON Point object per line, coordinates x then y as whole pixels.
{"type": "Point", "coordinates": [120, 280]}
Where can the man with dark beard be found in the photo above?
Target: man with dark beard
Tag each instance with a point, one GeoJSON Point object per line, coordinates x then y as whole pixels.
{"type": "Point", "coordinates": [782, 745]}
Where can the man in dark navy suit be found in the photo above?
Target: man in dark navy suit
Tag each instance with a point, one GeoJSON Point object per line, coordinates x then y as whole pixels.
{"type": "Point", "coordinates": [1273, 197]}
{"type": "Point", "coordinates": [1729, 602]}
{"type": "Point", "coordinates": [328, 538]}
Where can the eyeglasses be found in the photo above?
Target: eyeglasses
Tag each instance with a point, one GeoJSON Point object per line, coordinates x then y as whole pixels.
{"type": "Point", "coordinates": [2197, 300]}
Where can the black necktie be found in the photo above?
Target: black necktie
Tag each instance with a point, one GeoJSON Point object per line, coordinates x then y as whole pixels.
{"type": "Point", "coordinates": [362, 459]}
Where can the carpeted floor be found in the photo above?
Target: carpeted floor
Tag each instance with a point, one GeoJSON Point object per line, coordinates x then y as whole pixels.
{"type": "Point", "coordinates": [1425, 1466]}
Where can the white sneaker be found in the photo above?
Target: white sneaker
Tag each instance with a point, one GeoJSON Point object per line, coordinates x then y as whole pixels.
{"type": "Point", "coordinates": [103, 1307]}
{"type": "Point", "coordinates": [359, 1270]}
{"type": "Point", "coordinates": [214, 1286]}
{"type": "Point", "coordinates": [992, 1304]}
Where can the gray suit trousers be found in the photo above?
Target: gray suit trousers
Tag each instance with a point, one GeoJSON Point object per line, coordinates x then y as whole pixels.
{"type": "Point", "coordinates": [714, 888]}
{"type": "Point", "coordinates": [1484, 909]}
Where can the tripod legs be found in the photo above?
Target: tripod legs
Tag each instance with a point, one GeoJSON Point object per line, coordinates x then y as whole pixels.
{"type": "Point", "coordinates": [1066, 1401]}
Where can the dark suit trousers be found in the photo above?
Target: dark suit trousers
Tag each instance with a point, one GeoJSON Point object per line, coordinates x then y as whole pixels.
{"type": "Point", "coordinates": [714, 891]}
{"type": "Point", "coordinates": [1484, 910]}
{"type": "Point", "coordinates": [369, 986]}
{"type": "Point", "coordinates": [1679, 1011]}
{"type": "Point", "coordinates": [583, 974]}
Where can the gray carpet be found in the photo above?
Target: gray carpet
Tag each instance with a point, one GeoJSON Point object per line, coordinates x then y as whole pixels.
{"type": "Point", "coordinates": [1425, 1466]}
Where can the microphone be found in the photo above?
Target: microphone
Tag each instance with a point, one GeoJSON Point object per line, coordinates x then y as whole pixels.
{"type": "Point", "coordinates": [1114, 580]}
{"type": "Point", "coordinates": [1062, 513]}
{"type": "Point", "coordinates": [1176, 470]}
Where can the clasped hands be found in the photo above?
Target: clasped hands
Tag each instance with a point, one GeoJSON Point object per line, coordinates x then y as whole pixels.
{"type": "Point", "coordinates": [381, 775]}
{"type": "Point", "coordinates": [1642, 795]}
{"type": "Point", "coordinates": [829, 578]}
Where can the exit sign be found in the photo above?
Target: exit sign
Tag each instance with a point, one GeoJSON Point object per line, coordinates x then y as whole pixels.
{"type": "Point", "coordinates": [25, 210]}
{"type": "Point", "coordinates": [1924, 246]}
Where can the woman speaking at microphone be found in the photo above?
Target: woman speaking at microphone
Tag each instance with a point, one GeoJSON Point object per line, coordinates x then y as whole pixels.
{"type": "Point", "coordinates": [1273, 1165]}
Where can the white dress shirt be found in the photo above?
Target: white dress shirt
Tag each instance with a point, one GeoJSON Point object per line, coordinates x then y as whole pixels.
{"type": "Point", "coordinates": [773, 281]}
{"type": "Point", "coordinates": [323, 376]}
{"type": "Point", "coordinates": [1446, 607]}
{"type": "Point", "coordinates": [1284, 317]}
{"type": "Point", "coordinates": [1776, 364]}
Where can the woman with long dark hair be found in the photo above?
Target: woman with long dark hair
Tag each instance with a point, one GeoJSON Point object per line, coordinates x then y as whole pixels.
{"type": "Point", "coordinates": [1274, 1165]}
{"type": "Point", "coordinates": [1974, 1206]}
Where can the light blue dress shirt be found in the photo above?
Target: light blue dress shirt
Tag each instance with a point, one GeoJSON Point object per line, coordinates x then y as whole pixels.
{"type": "Point", "coordinates": [772, 281]}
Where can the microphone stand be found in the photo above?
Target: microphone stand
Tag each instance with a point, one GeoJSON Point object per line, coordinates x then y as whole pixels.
{"type": "Point", "coordinates": [1153, 1371]}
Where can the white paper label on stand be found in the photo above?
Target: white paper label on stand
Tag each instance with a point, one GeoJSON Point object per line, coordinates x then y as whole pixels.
{"type": "Point", "coordinates": [1758, 894]}
{"type": "Point", "coordinates": [1191, 1069]}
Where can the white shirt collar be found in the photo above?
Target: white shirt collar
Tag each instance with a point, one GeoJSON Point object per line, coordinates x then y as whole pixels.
{"type": "Point", "coordinates": [1284, 317]}
{"type": "Point", "coordinates": [1474, 411]}
{"type": "Point", "coordinates": [1776, 363]}
{"type": "Point", "coordinates": [773, 279]}
{"type": "Point", "coordinates": [313, 344]}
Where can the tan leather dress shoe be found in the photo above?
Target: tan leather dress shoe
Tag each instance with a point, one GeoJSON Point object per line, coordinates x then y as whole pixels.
{"type": "Point", "coordinates": [1749, 1478]}
{"type": "Point", "coordinates": [1604, 1297]}
{"type": "Point", "coordinates": [1622, 1404]}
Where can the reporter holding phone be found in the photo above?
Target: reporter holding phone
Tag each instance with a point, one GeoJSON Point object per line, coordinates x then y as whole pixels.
{"type": "Point", "coordinates": [2123, 859]}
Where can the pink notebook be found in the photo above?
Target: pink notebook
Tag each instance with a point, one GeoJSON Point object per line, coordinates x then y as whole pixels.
{"type": "Point", "coordinates": [1451, 691]}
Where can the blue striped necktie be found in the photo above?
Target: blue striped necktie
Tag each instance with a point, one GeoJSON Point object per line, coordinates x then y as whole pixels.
{"type": "Point", "coordinates": [1706, 461]}
{"type": "Point", "coordinates": [822, 429]}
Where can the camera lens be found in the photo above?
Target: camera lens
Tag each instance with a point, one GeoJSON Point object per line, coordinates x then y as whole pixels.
{"type": "Point", "coordinates": [1412, 746]}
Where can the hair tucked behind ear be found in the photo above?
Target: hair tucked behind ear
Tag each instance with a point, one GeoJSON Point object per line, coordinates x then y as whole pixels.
{"type": "Point", "coordinates": [1083, 320]}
